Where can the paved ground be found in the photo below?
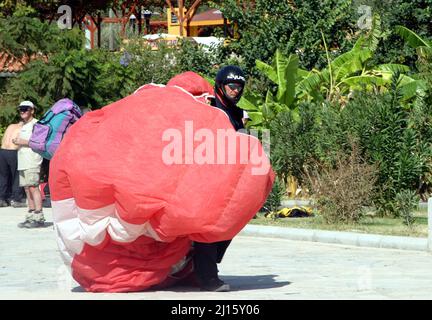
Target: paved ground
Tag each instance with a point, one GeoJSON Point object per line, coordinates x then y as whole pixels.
{"type": "Point", "coordinates": [256, 268]}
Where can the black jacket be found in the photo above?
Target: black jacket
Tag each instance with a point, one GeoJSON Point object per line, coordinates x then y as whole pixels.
{"type": "Point", "coordinates": [234, 113]}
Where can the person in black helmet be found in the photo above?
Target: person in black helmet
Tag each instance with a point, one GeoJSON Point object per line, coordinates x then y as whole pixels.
{"type": "Point", "coordinates": [229, 86]}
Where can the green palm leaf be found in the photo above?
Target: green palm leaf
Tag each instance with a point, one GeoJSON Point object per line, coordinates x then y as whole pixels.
{"type": "Point", "coordinates": [348, 68]}
{"type": "Point", "coordinates": [404, 79]}
{"type": "Point", "coordinates": [267, 70]}
{"type": "Point", "coordinates": [303, 73]}
{"type": "Point", "coordinates": [393, 68]}
{"type": "Point", "coordinates": [287, 74]}
{"type": "Point", "coordinates": [256, 119]}
{"type": "Point", "coordinates": [412, 88]}
{"type": "Point", "coordinates": [386, 71]}
{"type": "Point", "coordinates": [246, 104]}
{"type": "Point", "coordinates": [358, 82]}
{"type": "Point", "coordinates": [269, 97]}
{"type": "Point", "coordinates": [309, 84]}
{"type": "Point", "coordinates": [282, 72]}
{"type": "Point", "coordinates": [412, 38]}
{"type": "Point", "coordinates": [362, 55]}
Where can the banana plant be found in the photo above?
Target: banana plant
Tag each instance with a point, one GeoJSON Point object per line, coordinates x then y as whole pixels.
{"type": "Point", "coordinates": [424, 52]}
{"type": "Point", "coordinates": [283, 72]}
{"type": "Point", "coordinates": [330, 82]}
{"type": "Point", "coordinates": [251, 103]}
{"type": "Point", "coordinates": [423, 47]}
{"type": "Point", "coordinates": [334, 81]}
{"type": "Point", "coordinates": [352, 71]}
{"type": "Point", "coordinates": [346, 73]}
{"type": "Point", "coordinates": [381, 76]}
{"type": "Point", "coordinates": [295, 84]}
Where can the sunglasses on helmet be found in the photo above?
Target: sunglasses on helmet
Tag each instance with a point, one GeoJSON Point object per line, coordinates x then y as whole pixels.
{"type": "Point", "coordinates": [235, 86]}
{"type": "Point", "coordinates": [24, 109]}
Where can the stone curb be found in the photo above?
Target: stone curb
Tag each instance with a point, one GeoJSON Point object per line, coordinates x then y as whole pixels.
{"type": "Point", "coordinates": [300, 202]}
{"type": "Point", "coordinates": [337, 237]}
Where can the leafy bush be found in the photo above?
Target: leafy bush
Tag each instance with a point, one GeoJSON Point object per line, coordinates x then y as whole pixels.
{"type": "Point", "coordinates": [393, 136]}
{"type": "Point", "coordinates": [291, 26]}
{"type": "Point", "coordinates": [405, 202]}
{"type": "Point", "coordinates": [309, 134]}
{"type": "Point", "coordinates": [27, 36]}
{"type": "Point", "coordinates": [116, 80]}
{"type": "Point", "coordinates": [71, 74]}
{"type": "Point", "coordinates": [415, 15]}
{"type": "Point", "coordinates": [194, 57]}
{"type": "Point", "coordinates": [58, 71]}
{"type": "Point", "coordinates": [123, 72]}
{"type": "Point", "coordinates": [98, 77]}
{"type": "Point", "coordinates": [295, 26]}
{"type": "Point", "coordinates": [341, 191]}
{"type": "Point", "coordinates": [276, 195]}
{"type": "Point", "coordinates": [292, 141]}
{"type": "Point", "coordinates": [2, 131]}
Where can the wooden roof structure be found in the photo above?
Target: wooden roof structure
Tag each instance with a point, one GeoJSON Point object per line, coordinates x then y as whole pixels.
{"type": "Point", "coordinates": [11, 65]}
{"type": "Point", "coordinates": [132, 7]}
{"type": "Point", "coordinates": [210, 17]}
{"type": "Point", "coordinates": [184, 19]}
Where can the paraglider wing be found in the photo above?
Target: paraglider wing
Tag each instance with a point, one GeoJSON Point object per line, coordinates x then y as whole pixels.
{"type": "Point", "coordinates": [134, 183]}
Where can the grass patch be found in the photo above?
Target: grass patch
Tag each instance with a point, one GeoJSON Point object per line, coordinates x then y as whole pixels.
{"type": "Point", "coordinates": [369, 224]}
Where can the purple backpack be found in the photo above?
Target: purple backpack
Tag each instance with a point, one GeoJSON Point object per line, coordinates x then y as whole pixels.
{"type": "Point", "coordinates": [48, 132]}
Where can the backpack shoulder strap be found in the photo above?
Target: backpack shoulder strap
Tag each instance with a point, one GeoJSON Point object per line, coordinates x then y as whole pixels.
{"type": "Point", "coordinates": [47, 117]}
{"type": "Point", "coordinates": [76, 111]}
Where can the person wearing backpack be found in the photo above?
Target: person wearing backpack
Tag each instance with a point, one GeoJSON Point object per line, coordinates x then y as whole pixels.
{"type": "Point", "coordinates": [49, 131]}
{"type": "Point", "coordinates": [29, 166]}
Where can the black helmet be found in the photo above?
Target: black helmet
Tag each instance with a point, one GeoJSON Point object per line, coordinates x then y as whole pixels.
{"type": "Point", "coordinates": [229, 74]}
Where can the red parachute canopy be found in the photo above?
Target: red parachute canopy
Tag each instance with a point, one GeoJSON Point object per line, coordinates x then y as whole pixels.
{"type": "Point", "coordinates": [134, 183]}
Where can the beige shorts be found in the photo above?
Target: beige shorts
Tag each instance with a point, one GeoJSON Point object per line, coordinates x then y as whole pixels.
{"type": "Point", "coordinates": [29, 177]}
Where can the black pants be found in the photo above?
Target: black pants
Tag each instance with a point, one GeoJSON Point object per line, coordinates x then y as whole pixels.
{"type": "Point", "coordinates": [9, 177]}
{"type": "Point", "coordinates": [206, 258]}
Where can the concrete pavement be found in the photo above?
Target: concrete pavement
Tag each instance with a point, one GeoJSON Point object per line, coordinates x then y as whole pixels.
{"type": "Point", "coordinates": [256, 268]}
{"type": "Point", "coordinates": [338, 237]}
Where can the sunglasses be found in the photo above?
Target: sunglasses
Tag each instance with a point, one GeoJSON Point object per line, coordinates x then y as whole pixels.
{"type": "Point", "coordinates": [24, 109]}
{"type": "Point", "coordinates": [235, 86]}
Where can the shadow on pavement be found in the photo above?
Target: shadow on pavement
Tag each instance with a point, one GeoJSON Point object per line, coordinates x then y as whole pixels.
{"type": "Point", "coordinates": [47, 224]}
{"type": "Point", "coordinates": [241, 283]}
{"type": "Point", "coordinates": [237, 283]}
